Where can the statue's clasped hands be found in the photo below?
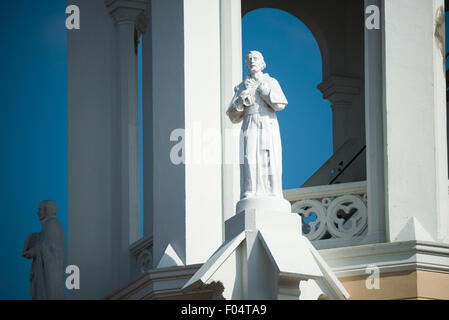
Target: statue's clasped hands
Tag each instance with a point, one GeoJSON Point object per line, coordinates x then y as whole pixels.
{"type": "Point", "coordinates": [246, 98]}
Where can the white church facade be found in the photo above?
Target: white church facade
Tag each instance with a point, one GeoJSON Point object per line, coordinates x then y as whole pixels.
{"type": "Point", "coordinates": [371, 223]}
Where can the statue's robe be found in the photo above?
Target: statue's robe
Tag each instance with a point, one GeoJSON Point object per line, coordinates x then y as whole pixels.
{"type": "Point", "coordinates": [261, 166]}
{"type": "Point", "coordinates": [48, 267]}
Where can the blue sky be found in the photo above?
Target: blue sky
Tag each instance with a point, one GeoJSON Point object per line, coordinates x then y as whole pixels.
{"type": "Point", "coordinates": [33, 129]}
{"type": "Point", "coordinates": [33, 115]}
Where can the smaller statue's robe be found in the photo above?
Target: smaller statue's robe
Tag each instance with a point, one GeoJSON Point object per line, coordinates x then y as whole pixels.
{"type": "Point", "coordinates": [48, 267]}
{"type": "Point", "coordinates": [261, 166]}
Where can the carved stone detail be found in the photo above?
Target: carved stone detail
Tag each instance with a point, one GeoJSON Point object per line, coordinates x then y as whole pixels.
{"type": "Point", "coordinates": [346, 217]}
{"type": "Point", "coordinates": [312, 229]}
{"type": "Point", "coordinates": [217, 288]}
{"type": "Point", "coordinates": [340, 91]}
{"type": "Point", "coordinates": [129, 12]}
{"type": "Point", "coordinates": [142, 250]}
{"type": "Point", "coordinates": [340, 216]}
{"type": "Point", "coordinates": [145, 261]}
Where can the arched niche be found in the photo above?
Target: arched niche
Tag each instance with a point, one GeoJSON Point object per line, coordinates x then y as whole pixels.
{"type": "Point", "coordinates": [251, 5]}
{"type": "Point", "coordinates": [294, 58]}
{"type": "Point", "coordinates": [338, 27]}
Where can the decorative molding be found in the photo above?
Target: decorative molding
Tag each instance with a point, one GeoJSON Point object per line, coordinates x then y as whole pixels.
{"type": "Point", "coordinates": [347, 216]}
{"type": "Point", "coordinates": [142, 22]}
{"type": "Point", "coordinates": [128, 11]}
{"type": "Point", "coordinates": [344, 262]}
{"type": "Point", "coordinates": [145, 261]}
{"type": "Point", "coordinates": [325, 191]}
{"type": "Point", "coordinates": [363, 239]}
{"type": "Point", "coordinates": [340, 91]}
{"type": "Point", "coordinates": [144, 243]}
{"type": "Point", "coordinates": [142, 250]}
{"type": "Point", "coordinates": [388, 257]}
{"type": "Point", "coordinates": [216, 287]}
{"type": "Point", "coordinates": [166, 283]}
{"type": "Point", "coordinates": [332, 211]}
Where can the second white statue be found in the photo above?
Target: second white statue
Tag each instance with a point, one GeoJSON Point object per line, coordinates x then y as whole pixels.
{"type": "Point", "coordinates": [256, 101]}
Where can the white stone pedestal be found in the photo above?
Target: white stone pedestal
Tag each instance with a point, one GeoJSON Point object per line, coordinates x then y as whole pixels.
{"type": "Point", "coordinates": [274, 204]}
{"type": "Point", "coordinates": [265, 256]}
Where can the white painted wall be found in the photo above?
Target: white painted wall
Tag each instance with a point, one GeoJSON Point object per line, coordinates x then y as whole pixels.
{"type": "Point", "coordinates": [167, 35]}
{"type": "Point", "coordinates": [93, 170]}
{"type": "Point", "coordinates": [415, 113]}
{"type": "Point", "coordinates": [202, 109]}
{"type": "Point", "coordinates": [187, 205]}
{"type": "Point", "coordinates": [231, 75]}
{"type": "Point", "coordinates": [103, 161]}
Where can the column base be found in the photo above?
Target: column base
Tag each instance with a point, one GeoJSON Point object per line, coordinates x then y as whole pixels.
{"type": "Point", "coordinates": [266, 257]}
{"type": "Point", "coordinates": [266, 203]}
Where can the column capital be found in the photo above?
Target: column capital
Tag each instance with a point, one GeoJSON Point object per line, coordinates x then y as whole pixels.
{"type": "Point", "coordinates": [340, 91]}
{"type": "Point", "coordinates": [128, 12]}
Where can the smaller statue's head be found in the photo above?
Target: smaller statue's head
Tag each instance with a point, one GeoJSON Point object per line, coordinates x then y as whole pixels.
{"type": "Point", "coordinates": [255, 62]}
{"type": "Point", "coordinates": [47, 209]}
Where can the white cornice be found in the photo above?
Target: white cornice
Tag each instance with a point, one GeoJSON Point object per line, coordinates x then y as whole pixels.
{"type": "Point", "coordinates": [156, 284]}
{"type": "Point", "coordinates": [340, 91]}
{"type": "Point", "coordinates": [344, 262]}
{"type": "Point", "coordinates": [388, 257]}
{"type": "Point", "coordinates": [129, 4]}
{"type": "Point", "coordinates": [325, 191]}
{"type": "Point", "coordinates": [128, 11]}
{"type": "Point", "coordinates": [142, 244]}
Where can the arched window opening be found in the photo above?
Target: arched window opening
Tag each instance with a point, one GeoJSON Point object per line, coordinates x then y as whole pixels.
{"type": "Point", "coordinates": [293, 57]}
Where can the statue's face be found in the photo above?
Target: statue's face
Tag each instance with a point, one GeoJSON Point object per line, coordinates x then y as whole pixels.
{"type": "Point", "coordinates": [254, 63]}
{"type": "Point", "coordinates": [41, 212]}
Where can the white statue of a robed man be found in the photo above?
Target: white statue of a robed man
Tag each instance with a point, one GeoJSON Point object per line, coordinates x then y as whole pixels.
{"type": "Point", "coordinates": [256, 101]}
{"type": "Point", "coordinates": [47, 249]}
{"type": "Point", "coordinates": [277, 257]}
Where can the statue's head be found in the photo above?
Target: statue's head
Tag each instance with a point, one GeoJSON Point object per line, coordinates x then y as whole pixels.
{"type": "Point", "coordinates": [255, 62]}
{"type": "Point", "coordinates": [47, 209]}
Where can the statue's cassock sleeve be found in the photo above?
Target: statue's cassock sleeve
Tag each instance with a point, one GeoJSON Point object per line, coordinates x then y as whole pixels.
{"type": "Point", "coordinates": [235, 112]}
{"type": "Point", "coordinates": [276, 98]}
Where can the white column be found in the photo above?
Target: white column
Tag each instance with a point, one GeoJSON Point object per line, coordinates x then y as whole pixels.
{"type": "Point", "coordinates": [374, 129]}
{"type": "Point", "coordinates": [202, 111]}
{"type": "Point", "coordinates": [344, 94]}
{"type": "Point", "coordinates": [129, 22]}
{"type": "Point", "coordinates": [187, 205]}
{"type": "Point", "coordinates": [147, 134]}
{"type": "Point", "coordinates": [415, 116]}
{"type": "Point", "coordinates": [231, 75]}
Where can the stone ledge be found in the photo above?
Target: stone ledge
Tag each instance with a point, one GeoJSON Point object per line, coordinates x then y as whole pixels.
{"type": "Point", "coordinates": [388, 257]}
{"type": "Point", "coordinates": [140, 245]}
{"type": "Point", "coordinates": [399, 260]}
{"type": "Point", "coordinates": [163, 284]}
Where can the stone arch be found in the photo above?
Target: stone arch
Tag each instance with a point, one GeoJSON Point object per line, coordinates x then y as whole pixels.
{"type": "Point", "coordinates": [338, 28]}
{"type": "Point", "coordinates": [280, 34]}
{"type": "Point", "coordinates": [312, 25]}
